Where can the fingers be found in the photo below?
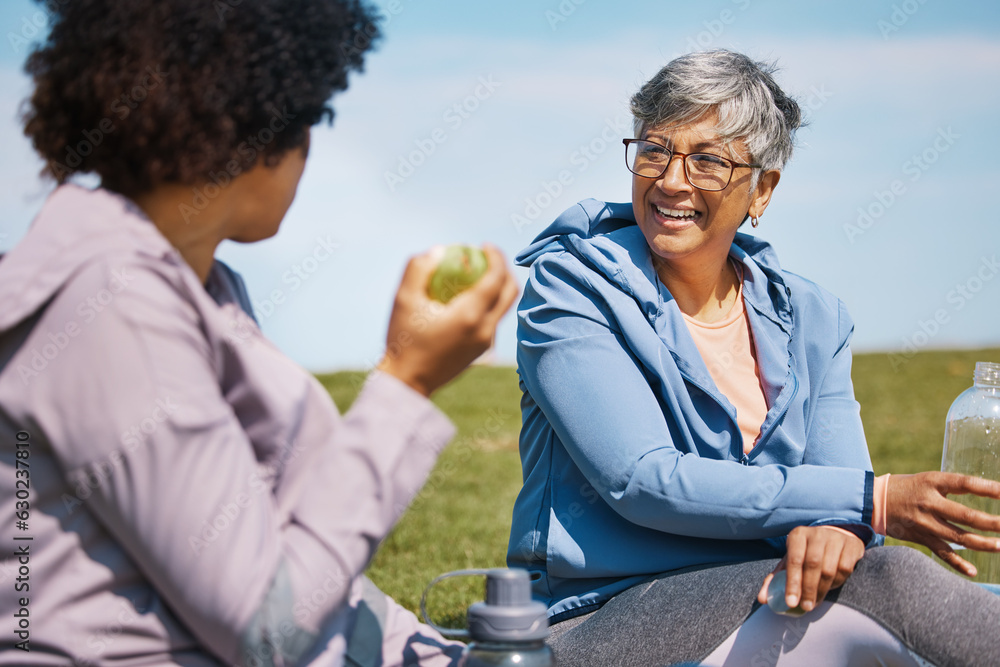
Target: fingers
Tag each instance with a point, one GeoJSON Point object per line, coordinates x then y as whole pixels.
{"type": "Point", "coordinates": [955, 483]}
{"type": "Point", "coordinates": [955, 512]}
{"type": "Point", "coordinates": [943, 550]}
{"type": "Point", "coordinates": [496, 267]}
{"type": "Point", "coordinates": [944, 547]}
{"type": "Point", "coordinates": [493, 294]}
{"type": "Point", "coordinates": [762, 593]}
{"type": "Point", "coordinates": [976, 542]}
{"type": "Point", "coordinates": [947, 531]}
{"type": "Point", "coordinates": [818, 558]}
{"type": "Point", "coordinates": [509, 293]}
{"type": "Point", "coordinates": [499, 282]}
{"type": "Point", "coordinates": [944, 483]}
{"type": "Point", "coordinates": [794, 558]}
{"type": "Point", "coordinates": [418, 272]}
{"type": "Point", "coordinates": [428, 342]}
{"type": "Point", "coordinates": [812, 564]}
{"type": "Point", "coordinates": [920, 512]}
{"type": "Point", "coordinates": [817, 574]}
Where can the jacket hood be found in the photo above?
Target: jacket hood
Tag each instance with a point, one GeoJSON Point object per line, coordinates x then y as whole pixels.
{"type": "Point", "coordinates": [74, 227]}
{"type": "Point", "coordinates": [587, 219]}
{"type": "Point", "coordinates": [605, 237]}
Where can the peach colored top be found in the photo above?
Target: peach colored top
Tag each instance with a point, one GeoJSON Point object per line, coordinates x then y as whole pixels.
{"type": "Point", "coordinates": [727, 349]}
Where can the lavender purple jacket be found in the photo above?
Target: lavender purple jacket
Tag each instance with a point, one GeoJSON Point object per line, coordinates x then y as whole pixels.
{"type": "Point", "coordinates": [193, 496]}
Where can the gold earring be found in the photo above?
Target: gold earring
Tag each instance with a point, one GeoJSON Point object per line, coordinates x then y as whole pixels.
{"type": "Point", "coordinates": [753, 221]}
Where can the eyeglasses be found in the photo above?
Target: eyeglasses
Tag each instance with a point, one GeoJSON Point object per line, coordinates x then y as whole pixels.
{"type": "Point", "coordinates": [703, 170]}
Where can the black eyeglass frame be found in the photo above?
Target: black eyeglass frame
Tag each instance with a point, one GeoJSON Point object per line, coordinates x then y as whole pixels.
{"type": "Point", "coordinates": [684, 156]}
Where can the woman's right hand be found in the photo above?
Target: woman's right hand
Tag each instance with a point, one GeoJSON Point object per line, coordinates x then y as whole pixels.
{"type": "Point", "coordinates": [429, 342]}
{"type": "Point", "coordinates": [817, 559]}
{"type": "Point", "coordinates": [918, 510]}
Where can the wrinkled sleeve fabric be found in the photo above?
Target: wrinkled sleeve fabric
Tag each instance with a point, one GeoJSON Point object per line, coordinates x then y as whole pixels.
{"type": "Point", "coordinates": [836, 436]}
{"type": "Point", "coordinates": [236, 548]}
{"type": "Point", "coordinates": [598, 399]}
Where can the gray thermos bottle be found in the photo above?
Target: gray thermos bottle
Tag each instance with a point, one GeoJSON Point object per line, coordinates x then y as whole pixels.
{"type": "Point", "coordinates": [508, 629]}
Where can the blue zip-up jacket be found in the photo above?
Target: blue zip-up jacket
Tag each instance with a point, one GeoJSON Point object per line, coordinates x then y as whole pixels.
{"type": "Point", "coordinates": [632, 459]}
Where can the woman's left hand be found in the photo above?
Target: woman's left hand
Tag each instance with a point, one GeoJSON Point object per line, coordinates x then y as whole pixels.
{"type": "Point", "coordinates": [818, 558]}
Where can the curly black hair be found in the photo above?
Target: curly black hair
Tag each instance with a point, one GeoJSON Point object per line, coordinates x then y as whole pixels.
{"type": "Point", "coordinates": [144, 92]}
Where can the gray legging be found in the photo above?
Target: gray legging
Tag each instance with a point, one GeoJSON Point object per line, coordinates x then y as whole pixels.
{"type": "Point", "coordinates": [679, 617]}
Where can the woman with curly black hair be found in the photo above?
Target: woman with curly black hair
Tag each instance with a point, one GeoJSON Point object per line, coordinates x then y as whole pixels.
{"type": "Point", "coordinates": [184, 494]}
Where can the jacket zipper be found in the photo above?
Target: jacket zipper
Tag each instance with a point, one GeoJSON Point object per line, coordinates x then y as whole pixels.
{"type": "Point", "coordinates": [764, 436]}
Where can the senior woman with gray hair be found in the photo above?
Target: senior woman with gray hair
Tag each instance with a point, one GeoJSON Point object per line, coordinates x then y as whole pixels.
{"type": "Point", "coordinates": [690, 428]}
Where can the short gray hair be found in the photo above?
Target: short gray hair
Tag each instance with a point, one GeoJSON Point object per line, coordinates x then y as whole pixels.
{"type": "Point", "coordinates": [749, 103]}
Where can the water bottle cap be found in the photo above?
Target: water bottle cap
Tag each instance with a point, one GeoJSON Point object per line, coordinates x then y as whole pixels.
{"type": "Point", "coordinates": [987, 374]}
{"type": "Point", "coordinates": [508, 614]}
{"type": "Point", "coordinates": [508, 587]}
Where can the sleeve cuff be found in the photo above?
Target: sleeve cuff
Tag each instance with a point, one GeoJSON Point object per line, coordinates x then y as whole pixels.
{"type": "Point", "coordinates": [865, 531]}
{"type": "Point", "coordinates": [846, 531]}
{"type": "Point", "coordinates": [866, 512]}
{"type": "Point", "coordinates": [862, 531]}
{"type": "Point", "coordinates": [411, 407]}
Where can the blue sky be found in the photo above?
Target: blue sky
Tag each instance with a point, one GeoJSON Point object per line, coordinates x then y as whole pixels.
{"type": "Point", "coordinates": [469, 113]}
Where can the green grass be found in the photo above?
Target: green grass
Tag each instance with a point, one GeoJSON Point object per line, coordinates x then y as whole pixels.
{"type": "Point", "coordinates": [904, 408]}
{"type": "Point", "coordinates": [461, 519]}
{"type": "Point", "coordinates": [904, 404]}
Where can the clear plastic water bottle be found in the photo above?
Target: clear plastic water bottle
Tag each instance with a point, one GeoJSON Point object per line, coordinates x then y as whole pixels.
{"type": "Point", "coordinates": [972, 447]}
{"type": "Point", "coordinates": [508, 629]}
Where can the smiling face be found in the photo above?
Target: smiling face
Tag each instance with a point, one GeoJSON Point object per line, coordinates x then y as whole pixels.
{"type": "Point", "coordinates": [682, 223]}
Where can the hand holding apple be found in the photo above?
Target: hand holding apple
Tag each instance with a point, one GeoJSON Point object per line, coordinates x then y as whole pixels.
{"type": "Point", "coordinates": [430, 342]}
{"type": "Point", "coordinates": [459, 268]}
{"type": "Point", "coordinates": [776, 596]}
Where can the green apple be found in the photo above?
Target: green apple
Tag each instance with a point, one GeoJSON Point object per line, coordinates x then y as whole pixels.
{"type": "Point", "coordinates": [459, 269]}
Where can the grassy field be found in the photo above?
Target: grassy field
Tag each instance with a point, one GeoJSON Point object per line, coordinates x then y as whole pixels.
{"type": "Point", "coordinates": [461, 518]}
